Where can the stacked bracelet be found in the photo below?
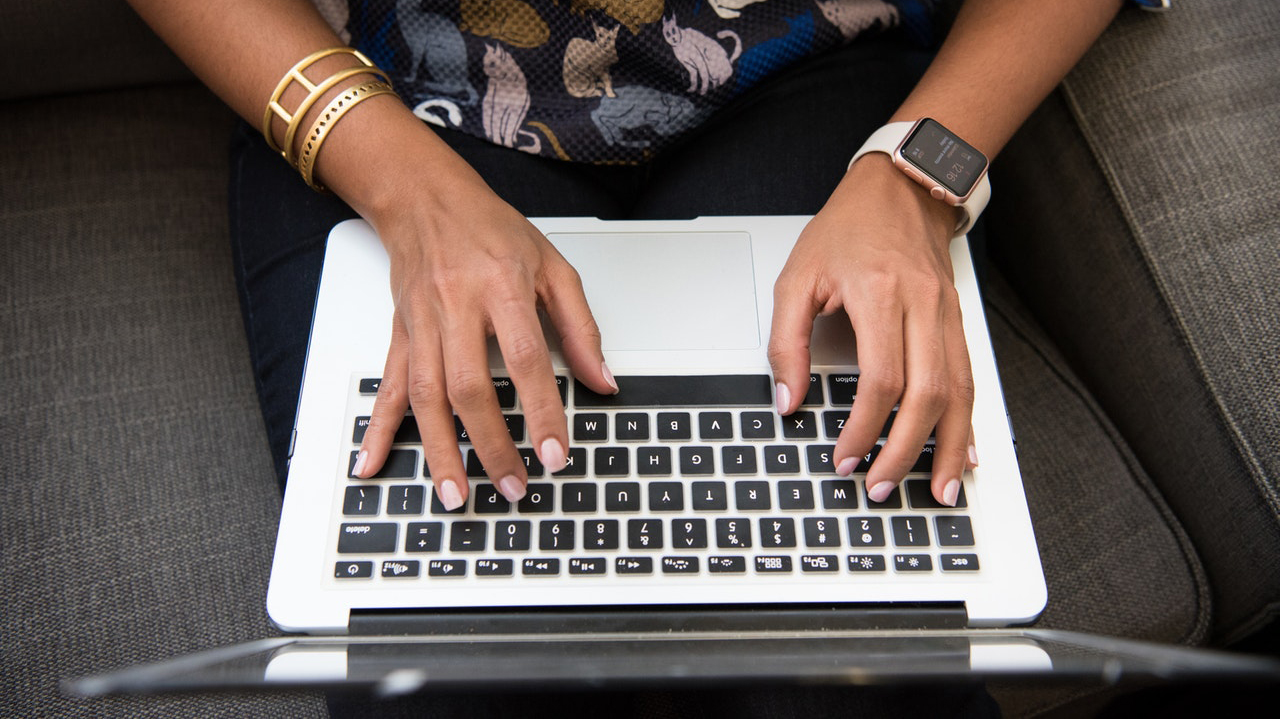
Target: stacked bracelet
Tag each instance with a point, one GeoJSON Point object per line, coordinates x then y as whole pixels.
{"type": "Point", "coordinates": [323, 124]}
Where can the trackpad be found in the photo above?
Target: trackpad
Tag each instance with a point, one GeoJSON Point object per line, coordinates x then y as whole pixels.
{"type": "Point", "coordinates": [668, 290]}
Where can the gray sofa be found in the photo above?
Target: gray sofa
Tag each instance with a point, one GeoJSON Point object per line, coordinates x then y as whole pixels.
{"type": "Point", "coordinates": [1131, 303]}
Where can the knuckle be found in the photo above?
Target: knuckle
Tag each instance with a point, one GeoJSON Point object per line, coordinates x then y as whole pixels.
{"type": "Point", "coordinates": [468, 388]}
{"type": "Point", "coordinates": [931, 393]}
{"type": "Point", "coordinates": [883, 385]}
{"type": "Point", "coordinates": [423, 390]}
{"type": "Point", "coordinates": [963, 389]}
{"type": "Point", "coordinates": [524, 352]}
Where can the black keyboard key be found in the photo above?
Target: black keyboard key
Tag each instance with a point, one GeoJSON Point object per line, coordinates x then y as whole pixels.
{"type": "Point", "coordinates": [578, 497]}
{"type": "Point", "coordinates": [631, 427]}
{"type": "Point", "coordinates": [666, 497]}
{"type": "Point", "coordinates": [709, 496]}
{"type": "Point", "coordinates": [575, 463]}
{"type": "Point", "coordinates": [495, 567]}
{"type": "Point", "coordinates": [910, 531]}
{"type": "Point", "coordinates": [843, 388]}
{"type": "Point", "coordinates": [353, 570]}
{"type": "Point", "coordinates": [531, 463]}
{"type": "Point", "coordinates": [738, 460]}
{"type": "Point", "coordinates": [865, 462]}
{"type": "Point", "coordinates": [924, 463]}
{"type": "Point", "coordinates": [715, 425]}
{"type": "Point", "coordinates": [488, 500]}
{"type": "Point", "coordinates": [370, 385]}
{"type": "Point", "coordinates": [406, 499]}
{"type": "Point", "coordinates": [540, 567]}
{"type": "Point", "coordinates": [757, 425]}
{"type": "Point", "coordinates": [373, 538]}
{"type": "Point", "coordinates": [782, 459]}
{"type": "Point", "coordinates": [818, 563]}
{"type": "Point", "coordinates": [361, 501]}
{"type": "Point", "coordinates": [447, 568]}
{"type": "Point", "coordinates": [600, 534]}
{"type": "Point", "coordinates": [866, 563]}
{"type": "Point", "coordinates": [555, 535]}
{"type": "Point", "coordinates": [633, 565]}
{"type": "Point", "coordinates": [511, 536]}
{"type": "Point", "coordinates": [400, 568]}
{"type": "Point", "coordinates": [954, 531]}
{"type": "Point", "coordinates": [644, 533]}
{"type": "Point", "coordinates": [697, 460]}
{"type": "Point", "coordinates": [833, 424]}
{"type": "Point", "coordinates": [920, 496]}
{"type": "Point", "coordinates": [866, 532]}
{"type": "Point", "coordinates": [752, 495]}
{"type": "Point", "coordinates": [475, 469]}
{"type": "Point", "coordinates": [400, 464]}
{"type": "Point", "coordinates": [612, 462]}
{"type": "Point", "coordinates": [437, 507]}
{"type": "Point", "coordinates": [801, 425]}
{"type": "Point", "coordinates": [653, 461]}
{"type": "Point", "coordinates": [795, 495]}
{"type": "Point", "coordinates": [813, 396]}
{"type": "Point", "coordinates": [733, 533]}
{"type": "Point", "coordinates": [773, 565]}
{"type": "Point", "coordinates": [689, 533]}
{"type": "Point", "coordinates": [678, 390]}
{"type": "Point", "coordinates": [893, 501]}
{"type": "Point", "coordinates": [622, 497]}
{"type": "Point", "coordinates": [820, 458]}
{"type": "Point", "coordinates": [958, 562]}
{"type": "Point", "coordinates": [913, 563]}
{"type": "Point", "coordinates": [679, 565]}
{"type": "Point", "coordinates": [839, 494]}
{"type": "Point", "coordinates": [423, 536]}
{"type": "Point", "coordinates": [506, 391]}
{"type": "Point", "coordinates": [777, 532]}
{"type": "Point", "coordinates": [467, 536]}
{"type": "Point", "coordinates": [562, 384]}
{"type": "Point", "coordinates": [674, 426]}
{"type": "Point", "coordinates": [821, 532]}
{"type": "Point", "coordinates": [515, 426]}
{"type": "Point", "coordinates": [590, 427]}
{"type": "Point", "coordinates": [539, 498]}
{"type": "Point", "coordinates": [406, 433]}
{"type": "Point", "coordinates": [587, 565]}
{"type": "Point", "coordinates": [727, 565]}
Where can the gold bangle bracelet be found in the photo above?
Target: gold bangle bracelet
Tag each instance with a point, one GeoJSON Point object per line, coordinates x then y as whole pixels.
{"type": "Point", "coordinates": [320, 129]}
{"type": "Point", "coordinates": [295, 75]}
{"type": "Point", "coordinates": [295, 122]}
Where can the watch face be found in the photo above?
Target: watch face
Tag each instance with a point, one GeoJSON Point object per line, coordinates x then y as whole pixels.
{"type": "Point", "coordinates": [950, 161]}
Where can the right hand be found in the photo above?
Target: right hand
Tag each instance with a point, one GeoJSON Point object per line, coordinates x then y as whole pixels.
{"type": "Point", "coordinates": [466, 266]}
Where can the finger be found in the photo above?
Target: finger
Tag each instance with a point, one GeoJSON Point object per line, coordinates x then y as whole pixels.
{"type": "Point", "coordinates": [878, 329]}
{"type": "Point", "coordinates": [470, 393]}
{"type": "Point", "coordinates": [428, 396]}
{"type": "Point", "coordinates": [566, 305]}
{"type": "Point", "coordinates": [524, 349]}
{"type": "Point", "coordinates": [791, 332]}
{"type": "Point", "coordinates": [971, 462]}
{"type": "Point", "coordinates": [955, 427]}
{"type": "Point", "coordinates": [388, 407]}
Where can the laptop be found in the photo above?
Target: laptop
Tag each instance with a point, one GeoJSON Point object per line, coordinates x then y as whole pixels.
{"type": "Point", "coordinates": [696, 537]}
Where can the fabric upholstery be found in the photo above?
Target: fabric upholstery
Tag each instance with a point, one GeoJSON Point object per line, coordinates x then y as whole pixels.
{"type": "Point", "coordinates": [140, 510]}
{"type": "Point", "coordinates": [1152, 265]}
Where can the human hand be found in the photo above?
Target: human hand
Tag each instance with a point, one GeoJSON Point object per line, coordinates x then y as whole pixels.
{"type": "Point", "coordinates": [879, 248]}
{"type": "Point", "coordinates": [465, 266]}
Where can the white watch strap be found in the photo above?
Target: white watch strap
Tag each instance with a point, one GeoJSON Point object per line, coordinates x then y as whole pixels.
{"type": "Point", "coordinates": [888, 138]}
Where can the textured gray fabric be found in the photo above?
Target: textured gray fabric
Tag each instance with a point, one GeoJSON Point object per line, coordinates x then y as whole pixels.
{"type": "Point", "coordinates": [140, 508]}
{"type": "Point", "coordinates": [1160, 298]}
{"type": "Point", "coordinates": [61, 46]}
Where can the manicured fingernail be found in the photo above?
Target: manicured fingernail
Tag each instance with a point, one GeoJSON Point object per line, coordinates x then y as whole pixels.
{"type": "Point", "coordinates": [511, 487]}
{"type": "Point", "coordinates": [608, 376]}
{"type": "Point", "coordinates": [450, 497]}
{"type": "Point", "coordinates": [783, 398]}
{"type": "Point", "coordinates": [973, 456]}
{"type": "Point", "coordinates": [845, 468]}
{"type": "Point", "coordinates": [880, 491]}
{"type": "Point", "coordinates": [552, 455]}
{"type": "Point", "coordinates": [361, 460]}
{"type": "Point", "coordinates": [951, 493]}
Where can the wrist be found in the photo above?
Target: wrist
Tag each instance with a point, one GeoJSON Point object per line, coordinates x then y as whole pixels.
{"type": "Point", "coordinates": [875, 174]}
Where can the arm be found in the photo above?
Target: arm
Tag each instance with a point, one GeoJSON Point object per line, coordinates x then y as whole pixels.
{"type": "Point", "coordinates": [880, 246]}
{"type": "Point", "coordinates": [464, 264]}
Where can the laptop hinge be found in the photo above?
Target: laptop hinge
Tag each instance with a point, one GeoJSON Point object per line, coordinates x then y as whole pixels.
{"type": "Point", "coordinates": [665, 619]}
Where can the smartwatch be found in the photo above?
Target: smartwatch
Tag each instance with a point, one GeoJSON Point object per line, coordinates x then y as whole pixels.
{"type": "Point", "coordinates": [950, 168]}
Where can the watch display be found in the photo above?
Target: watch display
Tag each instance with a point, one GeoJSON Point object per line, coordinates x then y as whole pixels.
{"type": "Point", "coordinates": [944, 157]}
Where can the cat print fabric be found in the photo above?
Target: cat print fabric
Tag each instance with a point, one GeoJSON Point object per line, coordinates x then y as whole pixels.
{"type": "Point", "coordinates": [603, 81]}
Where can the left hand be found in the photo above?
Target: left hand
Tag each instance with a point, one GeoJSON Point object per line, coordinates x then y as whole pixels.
{"type": "Point", "coordinates": [880, 248]}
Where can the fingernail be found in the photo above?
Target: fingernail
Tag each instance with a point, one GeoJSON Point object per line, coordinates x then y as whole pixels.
{"type": "Point", "coordinates": [845, 468]}
{"type": "Point", "coordinates": [783, 398]}
{"type": "Point", "coordinates": [552, 455]}
{"type": "Point", "coordinates": [450, 497]}
{"type": "Point", "coordinates": [511, 487]}
{"type": "Point", "coordinates": [880, 492]}
{"type": "Point", "coordinates": [608, 376]}
{"type": "Point", "coordinates": [973, 456]}
{"type": "Point", "coordinates": [361, 460]}
{"type": "Point", "coordinates": [951, 492]}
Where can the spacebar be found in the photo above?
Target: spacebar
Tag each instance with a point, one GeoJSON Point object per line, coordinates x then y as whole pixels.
{"type": "Point", "coordinates": [728, 390]}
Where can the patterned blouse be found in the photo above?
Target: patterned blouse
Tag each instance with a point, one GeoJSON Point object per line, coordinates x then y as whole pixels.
{"type": "Point", "coordinates": [602, 81]}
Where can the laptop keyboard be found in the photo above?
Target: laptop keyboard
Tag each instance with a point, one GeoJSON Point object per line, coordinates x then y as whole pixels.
{"type": "Point", "coordinates": [672, 478]}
